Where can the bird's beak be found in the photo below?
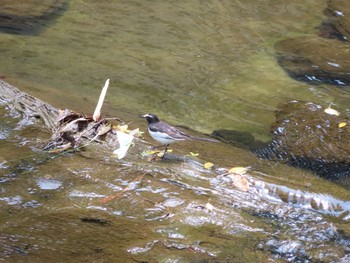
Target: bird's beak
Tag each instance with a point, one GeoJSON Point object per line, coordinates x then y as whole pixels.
{"type": "Point", "coordinates": [145, 116]}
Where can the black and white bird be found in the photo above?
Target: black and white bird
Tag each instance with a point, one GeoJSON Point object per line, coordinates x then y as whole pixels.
{"type": "Point", "coordinates": [166, 134]}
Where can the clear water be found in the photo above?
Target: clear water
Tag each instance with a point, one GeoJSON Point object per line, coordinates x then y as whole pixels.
{"type": "Point", "coordinates": [203, 64]}
{"type": "Point", "coordinates": [208, 65]}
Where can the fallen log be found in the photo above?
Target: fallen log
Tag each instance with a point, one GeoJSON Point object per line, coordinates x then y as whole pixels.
{"type": "Point", "coordinates": [70, 130]}
{"type": "Point", "coordinates": [29, 106]}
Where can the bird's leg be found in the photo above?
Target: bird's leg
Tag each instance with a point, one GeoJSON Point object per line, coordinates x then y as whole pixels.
{"type": "Point", "coordinates": [156, 153]}
{"type": "Point", "coordinates": [165, 150]}
{"type": "Point", "coordinates": [165, 146]}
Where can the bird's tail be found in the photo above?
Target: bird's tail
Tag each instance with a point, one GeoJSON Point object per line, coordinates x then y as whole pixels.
{"type": "Point", "coordinates": [202, 139]}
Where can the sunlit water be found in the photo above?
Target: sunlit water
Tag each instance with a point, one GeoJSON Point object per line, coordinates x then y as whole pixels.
{"type": "Point", "coordinates": [208, 65]}
{"type": "Point", "coordinates": [204, 64]}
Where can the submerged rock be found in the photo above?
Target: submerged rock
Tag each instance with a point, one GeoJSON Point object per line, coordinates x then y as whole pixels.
{"type": "Point", "coordinates": [323, 58]}
{"type": "Point", "coordinates": [337, 13]}
{"type": "Point", "coordinates": [29, 17]}
{"type": "Point", "coordinates": [315, 59]}
{"type": "Point", "coordinates": [306, 136]}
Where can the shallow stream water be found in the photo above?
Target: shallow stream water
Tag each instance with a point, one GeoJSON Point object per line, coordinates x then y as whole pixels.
{"type": "Point", "coordinates": [205, 65]}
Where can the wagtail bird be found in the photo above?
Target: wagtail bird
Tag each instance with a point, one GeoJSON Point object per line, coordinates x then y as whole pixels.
{"type": "Point", "coordinates": [166, 134]}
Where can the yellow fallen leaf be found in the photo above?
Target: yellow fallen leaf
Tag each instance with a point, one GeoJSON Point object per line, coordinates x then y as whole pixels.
{"type": "Point", "coordinates": [151, 152]}
{"type": "Point", "coordinates": [240, 182]}
{"type": "Point", "coordinates": [152, 155]}
{"type": "Point", "coordinates": [331, 111]}
{"type": "Point", "coordinates": [238, 170]}
{"type": "Point", "coordinates": [122, 128]}
{"type": "Point", "coordinates": [208, 165]}
{"type": "Point", "coordinates": [156, 152]}
{"type": "Point", "coordinates": [194, 154]}
{"type": "Point", "coordinates": [342, 124]}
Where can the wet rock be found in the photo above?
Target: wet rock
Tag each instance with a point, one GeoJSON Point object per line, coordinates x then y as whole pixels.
{"type": "Point", "coordinates": [328, 30]}
{"type": "Point", "coordinates": [304, 135]}
{"type": "Point", "coordinates": [337, 13]}
{"type": "Point", "coordinates": [323, 58]}
{"type": "Point", "coordinates": [294, 251]}
{"type": "Point", "coordinates": [316, 60]}
{"type": "Point", "coordinates": [29, 17]}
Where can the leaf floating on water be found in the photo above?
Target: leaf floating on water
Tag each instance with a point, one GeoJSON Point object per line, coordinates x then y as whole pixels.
{"type": "Point", "coordinates": [331, 111]}
{"type": "Point", "coordinates": [194, 154]}
{"type": "Point", "coordinates": [125, 141]}
{"type": "Point", "coordinates": [342, 124]}
{"type": "Point", "coordinates": [208, 165]}
{"type": "Point", "coordinates": [151, 152]}
{"type": "Point", "coordinates": [240, 182]}
{"type": "Point", "coordinates": [119, 194]}
{"type": "Point", "coordinates": [238, 170]}
{"type": "Point", "coordinates": [122, 128]}
{"type": "Point", "coordinates": [152, 155]}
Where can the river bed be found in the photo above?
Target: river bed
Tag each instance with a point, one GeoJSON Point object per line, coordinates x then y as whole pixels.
{"type": "Point", "coordinates": [204, 65]}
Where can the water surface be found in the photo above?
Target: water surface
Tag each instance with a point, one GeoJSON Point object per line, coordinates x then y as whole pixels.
{"type": "Point", "coordinates": [203, 64]}
{"type": "Point", "coordinates": [208, 65]}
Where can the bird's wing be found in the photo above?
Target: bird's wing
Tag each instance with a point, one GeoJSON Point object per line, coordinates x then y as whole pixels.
{"type": "Point", "coordinates": [170, 130]}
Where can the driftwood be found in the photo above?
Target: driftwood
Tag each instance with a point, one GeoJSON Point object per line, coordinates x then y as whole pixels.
{"type": "Point", "coordinates": [70, 130]}
{"type": "Point", "coordinates": [28, 105]}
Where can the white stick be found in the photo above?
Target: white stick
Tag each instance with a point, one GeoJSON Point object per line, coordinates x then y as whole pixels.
{"type": "Point", "coordinates": [97, 113]}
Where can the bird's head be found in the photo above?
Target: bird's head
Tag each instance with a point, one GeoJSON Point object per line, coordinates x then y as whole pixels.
{"type": "Point", "coordinates": [151, 118]}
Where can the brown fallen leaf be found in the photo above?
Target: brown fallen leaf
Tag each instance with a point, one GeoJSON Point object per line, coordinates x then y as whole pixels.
{"type": "Point", "coordinates": [239, 181]}
{"type": "Point", "coordinates": [109, 198]}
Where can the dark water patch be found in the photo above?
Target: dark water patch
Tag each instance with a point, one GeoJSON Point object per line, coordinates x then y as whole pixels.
{"type": "Point", "coordinates": [100, 221]}
{"type": "Point", "coordinates": [29, 17]}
